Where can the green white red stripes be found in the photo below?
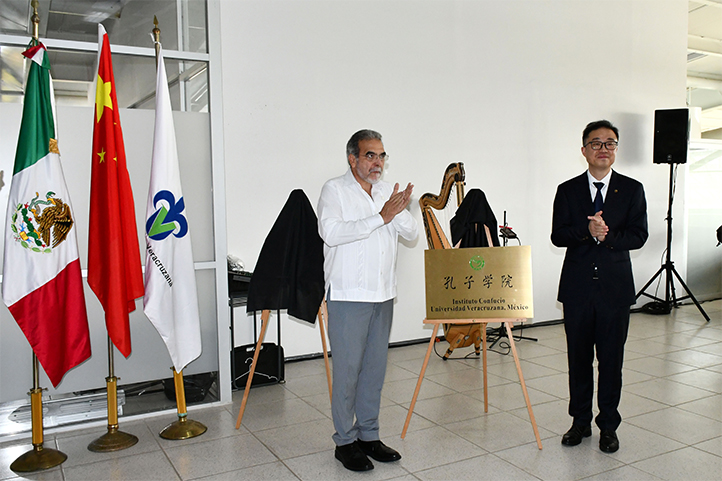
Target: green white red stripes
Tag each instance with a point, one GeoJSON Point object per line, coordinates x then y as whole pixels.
{"type": "Point", "coordinates": [42, 284]}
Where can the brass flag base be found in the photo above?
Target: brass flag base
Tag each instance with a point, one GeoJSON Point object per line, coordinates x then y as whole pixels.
{"type": "Point", "coordinates": [183, 428]}
{"type": "Point", "coordinates": [37, 459]}
{"type": "Point", "coordinates": [113, 440]}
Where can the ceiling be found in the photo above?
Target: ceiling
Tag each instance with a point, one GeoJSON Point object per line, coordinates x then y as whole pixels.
{"type": "Point", "coordinates": [704, 63]}
{"type": "Point", "coordinates": [77, 20]}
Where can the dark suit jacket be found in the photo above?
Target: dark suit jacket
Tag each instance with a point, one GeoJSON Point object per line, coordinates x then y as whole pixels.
{"type": "Point", "coordinates": [625, 212]}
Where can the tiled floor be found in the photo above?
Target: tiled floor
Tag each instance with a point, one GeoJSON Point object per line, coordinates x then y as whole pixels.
{"type": "Point", "coordinates": [672, 428]}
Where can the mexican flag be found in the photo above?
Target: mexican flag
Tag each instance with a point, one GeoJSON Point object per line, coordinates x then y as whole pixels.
{"type": "Point", "coordinates": [42, 285]}
{"type": "Point", "coordinates": [114, 268]}
{"type": "Point", "coordinates": [171, 300]}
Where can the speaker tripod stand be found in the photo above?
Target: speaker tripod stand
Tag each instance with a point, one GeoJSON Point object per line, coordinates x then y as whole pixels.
{"type": "Point", "coordinates": [670, 300]}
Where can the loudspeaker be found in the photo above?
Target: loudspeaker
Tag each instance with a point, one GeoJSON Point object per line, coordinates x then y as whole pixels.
{"type": "Point", "coordinates": [671, 136]}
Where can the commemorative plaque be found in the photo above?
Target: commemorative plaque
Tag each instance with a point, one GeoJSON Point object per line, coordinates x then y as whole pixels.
{"type": "Point", "coordinates": [479, 283]}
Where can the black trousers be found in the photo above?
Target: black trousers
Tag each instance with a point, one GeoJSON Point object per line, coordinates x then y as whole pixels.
{"type": "Point", "coordinates": [592, 324]}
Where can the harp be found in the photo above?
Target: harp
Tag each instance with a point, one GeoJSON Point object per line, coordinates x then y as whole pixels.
{"type": "Point", "coordinates": [458, 335]}
{"type": "Point", "coordinates": [454, 176]}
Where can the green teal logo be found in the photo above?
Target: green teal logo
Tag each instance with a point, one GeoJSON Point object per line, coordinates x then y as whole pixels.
{"type": "Point", "coordinates": [476, 263]}
{"type": "Point", "coordinates": [166, 219]}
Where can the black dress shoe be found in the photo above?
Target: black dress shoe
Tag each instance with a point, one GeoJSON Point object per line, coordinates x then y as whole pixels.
{"type": "Point", "coordinates": [379, 451]}
{"type": "Point", "coordinates": [608, 441]}
{"type": "Point", "coordinates": [575, 434]}
{"type": "Point", "coordinates": [353, 458]}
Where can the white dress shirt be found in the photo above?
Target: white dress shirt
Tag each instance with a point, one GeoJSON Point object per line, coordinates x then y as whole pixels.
{"type": "Point", "coordinates": [359, 249]}
{"type": "Point", "coordinates": [593, 188]}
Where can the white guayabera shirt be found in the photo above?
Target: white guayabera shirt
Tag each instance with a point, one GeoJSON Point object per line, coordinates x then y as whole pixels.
{"type": "Point", "coordinates": [359, 249]}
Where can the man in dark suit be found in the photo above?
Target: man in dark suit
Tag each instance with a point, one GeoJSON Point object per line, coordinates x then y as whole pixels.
{"type": "Point", "coordinates": [599, 216]}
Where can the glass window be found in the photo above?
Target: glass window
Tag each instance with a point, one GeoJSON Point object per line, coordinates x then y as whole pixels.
{"type": "Point", "coordinates": [69, 30]}
{"type": "Point", "coordinates": [187, 82]}
{"type": "Point", "coordinates": [128, 22]}
{"type": "Point", "coordinates": [12, 74]}
{"type": "Point", "coordinates": [74, 72]}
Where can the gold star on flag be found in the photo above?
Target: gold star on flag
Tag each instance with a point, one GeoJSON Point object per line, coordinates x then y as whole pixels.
{"type": "Point", "coordinates": [101, 154]}
{"type": "Point", "coordinates": [102, 98]}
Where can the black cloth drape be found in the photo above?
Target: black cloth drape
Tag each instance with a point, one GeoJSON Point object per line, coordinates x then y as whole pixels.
{"type": "Point", "coordinates": [468, 223]}
{"type": "Point", "coordinates": [289, 271]}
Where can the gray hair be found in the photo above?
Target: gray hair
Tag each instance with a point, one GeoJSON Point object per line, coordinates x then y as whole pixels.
{"type": "Point", "coordinates": [352, 147]}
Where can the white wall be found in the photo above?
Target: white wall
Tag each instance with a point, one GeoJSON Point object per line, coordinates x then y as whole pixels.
{"type": "Point", "coordinates": [504, 86]}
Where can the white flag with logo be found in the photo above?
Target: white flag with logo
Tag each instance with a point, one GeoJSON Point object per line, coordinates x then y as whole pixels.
{"type": "Point", "coordinates": [171, 300]}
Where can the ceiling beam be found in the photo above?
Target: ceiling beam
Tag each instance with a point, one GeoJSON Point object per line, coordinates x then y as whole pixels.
{"type": "Point", "coordinates": [704, 83]}
{"type": "Point", "coordinates": [709, 3]}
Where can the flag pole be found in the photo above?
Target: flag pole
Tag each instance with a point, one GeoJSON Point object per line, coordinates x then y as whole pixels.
{"type": "Point", "coordinates": [114, 273]}
{"type": "Point", "coordinates": [156, 39]}
{"type": "Point", "coordinates": [183, 428]}
{"type": "Point", "coordinates": [114, 439]}
{"type": "Point", "coordinates": [35, 20]}
{"type": "Point", "coordinates": [39, 457]}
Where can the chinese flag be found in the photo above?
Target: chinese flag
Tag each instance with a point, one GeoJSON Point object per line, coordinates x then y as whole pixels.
{"type": "Point", "coordinates": [114, 266]}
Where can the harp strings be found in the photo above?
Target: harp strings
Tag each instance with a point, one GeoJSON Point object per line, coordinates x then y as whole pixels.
{"type": "Point", "coordinates": [445, 214]}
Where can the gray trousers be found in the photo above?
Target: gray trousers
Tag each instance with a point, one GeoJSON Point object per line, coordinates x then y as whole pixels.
{"type": "Point", "coordinates": [359, 335]}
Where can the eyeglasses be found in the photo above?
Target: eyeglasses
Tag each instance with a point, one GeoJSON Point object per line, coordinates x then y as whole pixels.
{"type": "Point", "coordinates": [597, 145]}
{"type": "Point", "coordinates": [372, 156]}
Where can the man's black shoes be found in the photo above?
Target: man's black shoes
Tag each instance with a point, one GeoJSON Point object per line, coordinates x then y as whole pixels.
{"type": "Point", "coordinates": [575, 434]}
{"type": "Point", "coordinates": [379, 451]}
{"type": "Point", "coordinates": [608, 441]}
{"type": "Point", "coordinates": [353, 458]}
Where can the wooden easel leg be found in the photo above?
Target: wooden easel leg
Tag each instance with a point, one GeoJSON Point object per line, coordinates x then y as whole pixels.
{"type": "Point", "coordinates": [523, 384]}
{"type": "Point", "coordinates": [265, 315]}
{"type": "Point", "coordinates": [483, 363]}
{"type": "Point", "coordinates": [322, 324]}
{"type": "Point", "coordinates": [421, 378]}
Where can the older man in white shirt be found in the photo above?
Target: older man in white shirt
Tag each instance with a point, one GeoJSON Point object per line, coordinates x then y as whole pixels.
{"type": "Point", "coordinates": [360, 219]}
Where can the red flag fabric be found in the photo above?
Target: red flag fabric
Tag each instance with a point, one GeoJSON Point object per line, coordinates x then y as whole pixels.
{"type": "Point", "coordinates": [114, 266]}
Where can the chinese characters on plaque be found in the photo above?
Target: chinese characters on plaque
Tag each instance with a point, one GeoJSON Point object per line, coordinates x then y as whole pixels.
{"type": "Point", "coordinates": [484, 282]}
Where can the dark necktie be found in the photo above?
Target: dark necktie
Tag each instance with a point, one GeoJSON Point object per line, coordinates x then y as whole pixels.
{"type": "Point", "coordinates": [598, 200]}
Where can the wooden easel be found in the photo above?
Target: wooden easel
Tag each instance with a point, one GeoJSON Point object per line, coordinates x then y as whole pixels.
{"type": "Point", "coordinates": [436, 239]}
{"type": "Point", "coordinates": [483, 322]}
{"type": "Point", "coordinates": [265, 316]}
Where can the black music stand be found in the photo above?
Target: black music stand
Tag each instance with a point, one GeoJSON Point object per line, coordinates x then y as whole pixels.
{"type": "Point", "coordinates": [506, 233]}
{"type": "Point", "coordinates": [670, 300]}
